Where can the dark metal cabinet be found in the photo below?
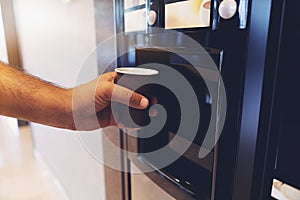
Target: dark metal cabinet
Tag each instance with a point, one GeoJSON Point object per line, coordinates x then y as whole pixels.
{"type": "Point", "coordinates": [259, 69]}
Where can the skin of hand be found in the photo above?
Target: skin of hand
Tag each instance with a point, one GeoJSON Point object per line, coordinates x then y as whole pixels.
{"type": "Point", "coordinates": [96, 97]}
{"type": "Point", "coordinates": [86, 107]}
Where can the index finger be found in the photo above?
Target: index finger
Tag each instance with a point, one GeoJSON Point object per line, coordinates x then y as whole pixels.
{"type": "Point", "coordinates": [128, 97]}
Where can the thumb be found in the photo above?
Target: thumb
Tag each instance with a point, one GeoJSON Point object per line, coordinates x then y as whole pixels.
{"type": "Point", "coordinates": [126, 96]}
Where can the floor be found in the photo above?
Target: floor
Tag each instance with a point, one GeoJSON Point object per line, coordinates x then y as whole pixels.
{"type": "Point", "coordinates": [23, 176]}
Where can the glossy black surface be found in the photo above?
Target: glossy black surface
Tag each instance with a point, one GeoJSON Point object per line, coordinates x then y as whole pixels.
{"type": "Point", "coordinates": [278, 145]}
{"type": "Point", "coordinates": [246, 148]}
{"type": "Point", "coordinates": [186, 175]}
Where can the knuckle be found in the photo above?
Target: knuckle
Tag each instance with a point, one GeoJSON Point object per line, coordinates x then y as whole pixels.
{"type": "Point", "coordinates": [128, 94]}
{"type": "Point", "coordinates": [135, 99]}
{"type": "Point", "coordinates": [108, 90]}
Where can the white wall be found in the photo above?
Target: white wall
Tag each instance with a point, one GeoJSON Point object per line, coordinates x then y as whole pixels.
{"type": "Point", "coordinates": [3, 49]}
{"type": "Point", "coordinates": [55, 37]}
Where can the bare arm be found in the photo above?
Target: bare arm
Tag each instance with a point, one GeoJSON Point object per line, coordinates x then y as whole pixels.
{"type": "Point", "coordinates": [26, 97]}
{"type": "Point", "coordinates": [29, 98]}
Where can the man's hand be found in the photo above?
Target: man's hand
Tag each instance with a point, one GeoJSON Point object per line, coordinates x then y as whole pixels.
{"type": "Point", "coordinates": [86, 107]}
{"type": "Point", "coordinates": [94, 99]}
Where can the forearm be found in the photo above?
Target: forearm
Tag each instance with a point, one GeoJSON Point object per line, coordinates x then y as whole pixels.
{"type": "Point", "coordinates": [25, 97]}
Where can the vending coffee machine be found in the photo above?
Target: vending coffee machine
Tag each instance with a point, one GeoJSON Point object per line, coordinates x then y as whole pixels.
{"type": "Point", "coordinates": [241, 38]}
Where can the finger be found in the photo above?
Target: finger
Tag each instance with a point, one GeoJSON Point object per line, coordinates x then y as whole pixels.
{"type": "Point", "coordinates": [106, 118]}
{"type": "Point", "coordinates": [126, 96]}
{"type": "Point", "coordinates": [110, 76]}
{"type": "Point", "coordinates": [153, 112]}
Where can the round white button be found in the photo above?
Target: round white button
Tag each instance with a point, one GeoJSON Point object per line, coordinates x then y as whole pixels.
{"type": "Point", "coordinates": [227, 9]}
{"type": "Point", "coordinates": [152, 17]}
